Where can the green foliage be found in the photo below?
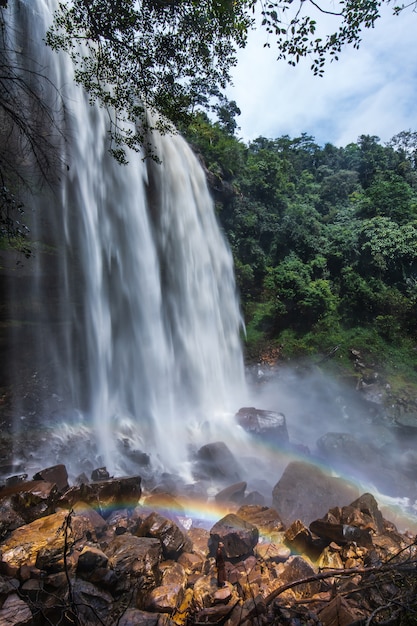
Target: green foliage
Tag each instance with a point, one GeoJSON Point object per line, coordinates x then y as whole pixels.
{"type": "Point", "coordinates": [174, 56]}
{"type": "Point", "coordinates": [153, 62]}
{"type": "Point", "coordinates": [324, 239]}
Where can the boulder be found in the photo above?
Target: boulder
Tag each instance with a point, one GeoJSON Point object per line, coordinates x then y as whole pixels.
{"type": "Point", "coordinates": [31, 499]}
{"type": "Point", "coordinates": [56, 474]}
{"type": "Point", "coordinates": [215, 461]}
{"type": "Point", "coordinates": [164, 599]}
{"type": "Point", "coordinates": [173, 539]}
{"type": "Point", "coordinates": [15, 612]}
{"type": "Point", "coordinates": [299, 568]}
{"type": "Point", "coordinates": [239, 537]}
{"type": "Point", "coordinates": [233, 493]}
{"type": "Point", "coordinates": [90, 559]}
{"type": "Point", "coordinates": [136, 557]}
{"type": "Point", "coordinates": [43, 541]}
{"type": "Point", "coordinates": [266, 425]}
{"type": "Point", "coordinates": [305, 492]}
{"type": "Point", "coordinates": [265, 518]}
{"type": "Point", "coordinates": [106, 495]}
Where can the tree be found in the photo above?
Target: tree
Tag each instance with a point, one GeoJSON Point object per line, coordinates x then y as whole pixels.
{"type": "Point", "coordinates": [173, 56]}
{"type": "Point", "coordinates": [27, 131]}
{"type": "Point", "coordinates": [153, 62]}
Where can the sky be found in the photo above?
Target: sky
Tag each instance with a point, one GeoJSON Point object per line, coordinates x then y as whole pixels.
{"type": "Point", "coordinates": [370, 91]}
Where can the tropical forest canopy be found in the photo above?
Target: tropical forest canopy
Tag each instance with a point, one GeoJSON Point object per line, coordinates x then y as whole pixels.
{"type": "Point", "coordinates": [324, 238]}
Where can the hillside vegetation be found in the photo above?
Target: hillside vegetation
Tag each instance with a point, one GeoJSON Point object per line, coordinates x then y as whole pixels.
{"type": "Point", "coordinates": [324, 241]}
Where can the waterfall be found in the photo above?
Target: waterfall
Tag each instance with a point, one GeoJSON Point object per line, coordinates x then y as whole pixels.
{"type": "Point", "coordinates": [134, 316]}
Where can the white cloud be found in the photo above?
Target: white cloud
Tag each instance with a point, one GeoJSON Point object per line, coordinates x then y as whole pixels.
{"type": "Point", "coordinates": [372, 90]}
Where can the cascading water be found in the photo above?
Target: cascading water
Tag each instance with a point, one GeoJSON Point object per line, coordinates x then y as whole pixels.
{"type": "Point", "coordinates": [134, 295]}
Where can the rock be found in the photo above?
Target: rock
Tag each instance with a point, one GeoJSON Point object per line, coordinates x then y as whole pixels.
{"type": "Point", "coordinates": [341, 533]}
{"type": "Point", "coordinates": [15, 612]}
{"type": "Point", "coordinates": [190, 562]}
{"type": "Point", "coordinates": [298, 538]}
{"type": "Point", "coordinates": [94, 605]}
{"type": "Point", "coordinates": [164, 598]}
{"type": "Point", "coordinates": [298, 568]}
{"type": "Point", "coordinates": [11, 481]}
{"type": "Point", "coordinates": [215, 461]}
{"type": "Point", "coordinates": [239, 537]}
{"type": "Point", "coordinates": [265, 425]}
{"type": "Point", "coordinates": [9, 518]}
{"type": "Point", "coordinates": [338, 612]}
{"type": "Point", "coordinates": [135, 617]}
{"type": "Point", "coordinates": [233, 493]}
{"type": "Point", "coordinates": [100, 473]}
{"type": "Point", "coordinates": [172, 538]}
{"type": "Point", "coordinates": [266, 519]}
{"type": "Point", "coordinates": [31, 499]}
{"type": "Point", "coordinates": [272, 552]}
{"type": "Point", "coordinates": [164, 503]}
{"type": "Point", "coordinates": [254, 497]}
{"type": "Point", "coordinates": [305, 492]}
{"type": "Point", "coordinates": [250, 612]}
{"type": "Point", "coordinates": [136, 557]}
{"type": "Point", "coordinates": [42, 539]}
{"type": "Point", "coordinates": [330, 559]}
{"type": "Point", "coordinates": [106, 495]}
{"type": "Point", "coordinates": [56, 474]}
{"type": "Point", "coordinates": [90, 559]}
{"type": "Point", "coordinates": [353, 522]}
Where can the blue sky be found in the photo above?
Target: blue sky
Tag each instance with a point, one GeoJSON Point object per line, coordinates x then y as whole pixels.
{"type": "Point", "coordinates": [372, 90]}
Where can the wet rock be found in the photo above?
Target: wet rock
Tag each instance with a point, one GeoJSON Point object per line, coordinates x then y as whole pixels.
{"type": "Point", "coordinates": [136, 557]}
{"type": "Point", "coordinates": [239, 537]}
{"type": "Point", "coordinates": [266, 519]}
{"type": "Point", "coordinates": [330, 558]}
{"type": "Point", "coordinates": [106, 495]}
{"type": "Point", "coordinates": [24, 544]}
{"type": "Point", "coordinates": [94, 605]}
{"type": "Point", "coordinates": [90, 559]}
{"type": "Point", "coordinates": [298, 537]}
{"type": "Point", "coordinates": [15, 612]}
{"type": "Point", "coordinates": [233, 493]}
{"type": "Point", "coordinates": [215, 461]}
{"type": "Point", "coordinates": [11, 481]}
{"type": "Point", "coordinates": [56, 474]}
{"type": "Point", "coordinates": [164, 598]}
{"type": "Point", "coordinates": [100, 473]}
{"type": "Point", "coordinates": [356, 522]}
{"type": "Point", "coordinates": [266, 425]}
{"type": "Point", "coordinates": [249, 612]}
{"type": "Point", "coordinates": [163, 502]}
{"type": "Point", "coordinates": [135, 617]}
{"type": "Point", "coordinates": [338, 611]}
{"type": "Point", "coordinates": [272, 552]}
{"type": "Point", "coordinates": [9, 518]}
{"type": "Point", "coordinates": [31, 499]}
{"type": "Point", "coordinates": [255, 497]}
{"type": "Point", "coordinates": [305, 492]}
{"type": "Point", "coordinates": [298, 568]}
{"type": "Point", "coordinates": [341, 533]}
{"type": "Point", "coordinates": [172, 538]}
{"type": "Point", "coordinates": [191, 562]}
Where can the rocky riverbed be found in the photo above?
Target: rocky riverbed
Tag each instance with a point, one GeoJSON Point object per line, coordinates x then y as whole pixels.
{"type": "Point", "coordinates": [107, 551]}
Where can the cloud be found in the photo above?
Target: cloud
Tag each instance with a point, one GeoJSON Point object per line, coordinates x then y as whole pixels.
{"type": "Point", "coordinates": [372, 90]}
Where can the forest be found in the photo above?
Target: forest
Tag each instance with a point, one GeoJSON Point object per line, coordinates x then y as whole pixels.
{"type": "Point", "coordinates": [324, 239]}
